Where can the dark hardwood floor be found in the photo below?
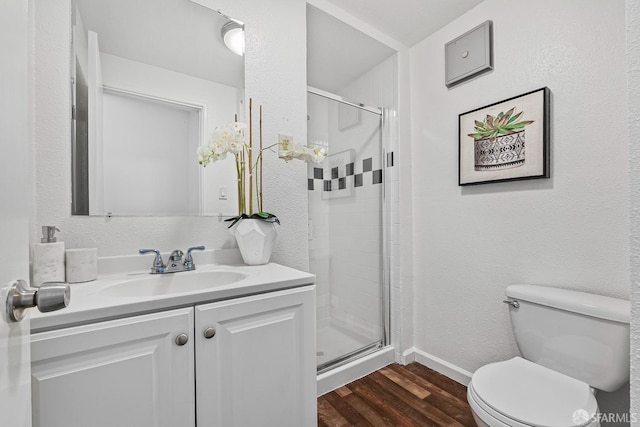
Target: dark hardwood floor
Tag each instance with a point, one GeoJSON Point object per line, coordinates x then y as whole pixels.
{"type": "Point", "coordinates": [396, 395]}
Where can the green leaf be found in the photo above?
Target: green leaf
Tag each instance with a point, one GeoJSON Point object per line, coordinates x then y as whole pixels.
{"type": "Point", "coordinates": [479, 124]}
{"type": "Point", "coordinates": [265, 216]}
{"type": "Point", "coordinates": [518, 125]}
{"type": "Point", "coordinates": [509, 113]}
{"type": "Point", "coordinates": [489, 120]}
{"type": "Point", "coordinates": [516, 117]}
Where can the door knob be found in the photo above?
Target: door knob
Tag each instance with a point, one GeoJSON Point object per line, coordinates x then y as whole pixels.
{"type": "Point", "coordinates": [50, 296]}
{"type": "Point", "coordinates": [209, 333]}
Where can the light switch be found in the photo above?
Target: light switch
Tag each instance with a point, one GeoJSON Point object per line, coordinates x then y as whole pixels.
{"type": "Point", "coordinates": [222, 193]}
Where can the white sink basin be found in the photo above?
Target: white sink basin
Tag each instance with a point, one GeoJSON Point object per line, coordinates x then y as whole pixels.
{"type": "Point", "coordinates": [172, 283]}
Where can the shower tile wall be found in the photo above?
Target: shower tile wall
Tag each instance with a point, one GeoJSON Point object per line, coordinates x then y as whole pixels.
{"type": "Point", "coordinates": [378, 87]}
{"type": "Point", "coordinates": [345, 237]}
{"type": "Point", "coordinates": [346, 220]}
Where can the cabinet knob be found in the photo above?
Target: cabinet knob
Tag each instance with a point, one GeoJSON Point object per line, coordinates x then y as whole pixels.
{"type": "Point", "coordinates": [182, 339]}
{"type": "Point", "coordinates": [209, 333]}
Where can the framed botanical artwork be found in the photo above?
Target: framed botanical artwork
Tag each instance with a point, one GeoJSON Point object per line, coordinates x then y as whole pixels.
{"type": "Point", "coordinates": [505, 141]}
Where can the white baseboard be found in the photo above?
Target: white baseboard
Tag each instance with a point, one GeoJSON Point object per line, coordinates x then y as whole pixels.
{"type": "Point", "coordinates": [447, 369]}
{"type": "Point", "coordinates": [352, 371]}
{"type": "Point", "coordinates": [408, 356]}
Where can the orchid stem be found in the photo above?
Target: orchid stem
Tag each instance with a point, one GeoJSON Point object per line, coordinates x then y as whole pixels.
{"type": "Point", "coordinates": [250, 155]}
{"type": "Point", "coordinates": [260, 190]}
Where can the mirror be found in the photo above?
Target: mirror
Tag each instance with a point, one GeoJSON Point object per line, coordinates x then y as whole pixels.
{"type": "Point", "coordinates": [151, 80]}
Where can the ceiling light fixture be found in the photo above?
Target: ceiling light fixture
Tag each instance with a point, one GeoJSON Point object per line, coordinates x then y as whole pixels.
{"type": "Point", "coordinates": [233, 37]}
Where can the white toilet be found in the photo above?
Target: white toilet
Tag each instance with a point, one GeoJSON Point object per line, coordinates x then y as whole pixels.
{"type": "Point", "coordinates": [571, 343]}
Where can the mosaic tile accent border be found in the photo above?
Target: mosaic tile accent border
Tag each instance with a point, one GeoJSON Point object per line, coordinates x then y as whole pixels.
{"type": "Point", "coordinates": [343, 176]}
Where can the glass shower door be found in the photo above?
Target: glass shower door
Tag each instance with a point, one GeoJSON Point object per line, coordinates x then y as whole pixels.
{"type": "Point", "coordinates": [346, 200]}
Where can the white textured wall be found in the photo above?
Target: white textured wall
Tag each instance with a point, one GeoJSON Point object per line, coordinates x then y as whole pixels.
{"type": "Point", "coordinates": [570, 230]}
{"type": "Point", "coordinates": [275, 77]}
{"type": "Point", "coordinates": [633, 81]}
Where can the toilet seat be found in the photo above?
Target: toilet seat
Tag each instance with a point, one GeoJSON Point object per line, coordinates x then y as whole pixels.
{"type": "Point", "coordinates": [518, 392]}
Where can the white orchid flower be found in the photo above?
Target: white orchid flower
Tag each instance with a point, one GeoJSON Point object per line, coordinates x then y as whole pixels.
{"type": "Point", "coordinates": [204, 151]}
{"type": "Point", "coordinates": [221, 156]}
{"type": "Point", "coordinates": [235, 146]}
{"type": "Point", "coordinates": [238, 126]}
{"type": "Point", "coordinates": [219, 147]}
{"type": "Point", "coordinates": [319, 154]}
{"type": "Point", "coordinates": [232, 139]}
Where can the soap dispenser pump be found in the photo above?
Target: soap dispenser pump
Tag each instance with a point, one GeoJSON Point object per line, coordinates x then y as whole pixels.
{"type": "Point", "coordinates": [49, 234]}
{"type": "Point", "coordinates": [47, 258]}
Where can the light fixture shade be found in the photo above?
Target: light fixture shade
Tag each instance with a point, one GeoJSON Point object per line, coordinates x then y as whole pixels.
{"type": "Point", "coordinates": [233, 37]}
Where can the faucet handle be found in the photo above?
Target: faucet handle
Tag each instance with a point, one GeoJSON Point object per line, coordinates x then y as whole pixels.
{"type": "Point", "coordinates": [188, 261]}
{"type": "Point", "coordinates": [158, 264]}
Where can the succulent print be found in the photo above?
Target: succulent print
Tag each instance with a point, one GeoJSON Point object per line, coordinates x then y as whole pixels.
{"type": "Point", "coordinates": [502, 124]}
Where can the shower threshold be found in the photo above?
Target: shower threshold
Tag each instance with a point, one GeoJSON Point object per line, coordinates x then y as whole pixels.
{"type": "Point", "coordinates": [349, 357]}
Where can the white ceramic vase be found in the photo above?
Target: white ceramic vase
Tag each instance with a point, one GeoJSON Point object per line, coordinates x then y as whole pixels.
{"type": "Point", "coordinates": [255, 239]}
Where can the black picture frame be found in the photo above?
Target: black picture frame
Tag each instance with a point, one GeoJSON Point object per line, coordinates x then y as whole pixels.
{"type": "Point", "coordinates": [494, 140]}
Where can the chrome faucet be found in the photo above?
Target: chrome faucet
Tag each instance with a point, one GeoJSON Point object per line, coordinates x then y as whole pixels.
{"type": "Point", "coordinates": [175, 264]}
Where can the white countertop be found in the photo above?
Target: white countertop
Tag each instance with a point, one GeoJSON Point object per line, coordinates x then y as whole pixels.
{"type": "Point", "coordinates": [89, 305]}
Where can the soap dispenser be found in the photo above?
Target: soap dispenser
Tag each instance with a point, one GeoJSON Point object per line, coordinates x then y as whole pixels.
{"type": "Point", "coordinates": [47, 258]}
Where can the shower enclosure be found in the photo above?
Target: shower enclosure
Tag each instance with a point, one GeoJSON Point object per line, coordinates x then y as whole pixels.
{"type": "Point", "coordinates": [347, 227]}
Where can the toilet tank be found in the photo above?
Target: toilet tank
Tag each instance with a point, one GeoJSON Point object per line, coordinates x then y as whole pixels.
{"type": "Point", "coordinates": [585, 336]}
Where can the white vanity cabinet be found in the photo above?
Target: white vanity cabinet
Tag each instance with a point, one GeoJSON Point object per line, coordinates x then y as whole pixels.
{"type": "Point", "coordinates": [258, 369]}
{"type": "Point", "coordinates": [248, 361]}
{"type": "Point", "coordinates": [128, 373]}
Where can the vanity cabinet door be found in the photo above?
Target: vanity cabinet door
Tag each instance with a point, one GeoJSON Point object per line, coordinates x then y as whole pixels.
{"type": "Point", "coordinates": [127, 373]}
{"type": "Point", "coordinates": [255, 360]}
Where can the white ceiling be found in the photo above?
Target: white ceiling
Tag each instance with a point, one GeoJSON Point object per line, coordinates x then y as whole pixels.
{"type": "Point", "coordinates": [177, 35]}
{"type": "Point", "coordinates": [407, 21]}
{"type": "Point", "coordinates": [185, 37]}
{"type": "Point", "coordinates": [337, 53]}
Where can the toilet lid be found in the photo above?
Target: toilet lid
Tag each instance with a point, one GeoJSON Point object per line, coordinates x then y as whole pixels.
{"type": "Point", "coordinates": [534, 395]}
